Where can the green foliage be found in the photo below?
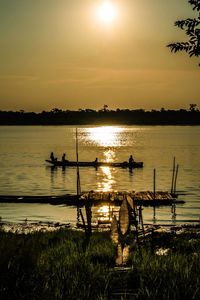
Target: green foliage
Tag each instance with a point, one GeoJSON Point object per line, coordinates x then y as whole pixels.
{"type": "Point", "coordinates": [172, 276]}
{"type": "Point", "coordinates": [100, 250]}
{"type": "Point", "coordinates": [58, 265]}
{"type": "Point", "coordinates": [166, 277]}
{"type": "Point", "coordinates": [192, 30]}
{"type": "Point", "coordinates": [54, 265]}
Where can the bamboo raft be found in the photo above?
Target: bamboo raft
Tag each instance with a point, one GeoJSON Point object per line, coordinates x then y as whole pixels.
{"type": "Point", "coordinates": [145, 198]}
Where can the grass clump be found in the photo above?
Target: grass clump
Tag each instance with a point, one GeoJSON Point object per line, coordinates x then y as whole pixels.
{"type": "Point", "coordinates": [173, 275]}
{"type": "Point", "coordinates": [64, 265]}
{"type": "Point", "coordinates": [53, 265]}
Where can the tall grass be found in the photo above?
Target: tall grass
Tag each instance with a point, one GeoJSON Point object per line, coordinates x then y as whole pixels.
{"type": "Point", "coordinates": [172, 276]}
{"type": "Point", "coordinates": [54, 265]}
{"type": "Point", "coordinates": [59, 265]}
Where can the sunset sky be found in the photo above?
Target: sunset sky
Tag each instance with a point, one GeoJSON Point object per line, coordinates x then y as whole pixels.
{"type": "Point", "coordinates": [73, 54]}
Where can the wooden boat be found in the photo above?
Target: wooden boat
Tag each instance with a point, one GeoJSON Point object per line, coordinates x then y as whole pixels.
{"type": "Point", "coordinates": [124, 218]}
{"type": "Point", "coordinates": [95, 164]}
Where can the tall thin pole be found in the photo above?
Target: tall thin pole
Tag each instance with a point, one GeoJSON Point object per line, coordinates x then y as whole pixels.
{"type": "Point", "coordinates": [154, 184]}
{"type": "Point", "coordinates": [173, 173]}
{"type": "Point", "coordinates": [154, 192]}
{"type": "Point", "coordinates": [174, 191]}
{"type": "Point", "coordinates": [78, 184]}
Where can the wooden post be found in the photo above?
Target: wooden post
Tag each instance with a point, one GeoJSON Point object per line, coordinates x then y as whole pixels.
{"type": "Point", "coordinates": [154, 184]}
{"type": "Point", "coordinates": [154, 212]}
{"type": "Point", "coordinates": [83, 220]}
{"type": "Point", "coordinates": [89, 219]}
{"type": "Point", "coordinates": [175, 180]}
{"type": "Point", "coordinates": [173, 210]}
{"type": "Point", "coordinates": [154, 192]}
{"type": "Point", "coordinates": [173, 172]}
{"type": "Point", "coordinates": [78, 184]}
{"type": "Point", "coordinates": [152, 240]}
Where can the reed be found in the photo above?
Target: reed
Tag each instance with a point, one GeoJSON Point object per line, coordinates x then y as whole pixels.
{"type": "Point", "coordinates": [173, 275]}
{"type": "Point", "coordinates": [60, 265]}
{"type": "Point", "coordinates": [54, 265]}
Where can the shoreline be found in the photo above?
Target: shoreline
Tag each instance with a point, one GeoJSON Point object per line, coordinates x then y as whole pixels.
{"type": "Point", "coordinates": [27, 227]}
{"type": "Point", "coordinates": [33, 227]}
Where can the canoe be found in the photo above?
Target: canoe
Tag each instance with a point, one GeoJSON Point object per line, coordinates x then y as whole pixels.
{"type": "Point", "coordinates": [95, 164]}
{"type": "Point", "coordinates": [124, 218]}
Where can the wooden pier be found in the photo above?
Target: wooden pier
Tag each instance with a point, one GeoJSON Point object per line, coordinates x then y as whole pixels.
{"type": "Point", "coordinates": [145, 198]}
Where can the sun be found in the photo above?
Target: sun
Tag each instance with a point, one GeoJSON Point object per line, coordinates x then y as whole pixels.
{"type": "Point", "coordinates": [107, 12]}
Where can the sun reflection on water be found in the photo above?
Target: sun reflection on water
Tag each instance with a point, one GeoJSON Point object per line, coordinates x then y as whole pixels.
{"type": "Point", "coordinates": [103, 214]}
{"type": "Point", "coordinates": [109, 155]}
{"type": "Point", "coordinates": [103, 209]}
{"type": "Point", "coordinates": [106, 180]}
{"type": "Point", "coordinates": [106, 136]}
{"type": "Point", "coordinates": [106, 141]}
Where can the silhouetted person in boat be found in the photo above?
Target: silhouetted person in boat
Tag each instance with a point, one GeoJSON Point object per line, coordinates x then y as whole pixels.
{"type": "Point", "coordinates": [52, 157]}
{"type": "Point", "coordinates": [131, 160]}
{"type": "Point", "coordinates": [96, 160]}
{"type": "Point", "coordinates": [64, 160]}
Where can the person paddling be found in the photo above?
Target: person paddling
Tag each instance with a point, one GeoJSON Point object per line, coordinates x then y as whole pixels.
{"type": "Point", "coordinates": [64, 160]}
{"type": "Point", "coordinates": [52, 157]}
{"type": "Point", "coordinates": [131, 160]}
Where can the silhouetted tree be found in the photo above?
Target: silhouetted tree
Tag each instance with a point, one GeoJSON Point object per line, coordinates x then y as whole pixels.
{"type": "Point", "coordinates": [191, 26]}
{"type": "Point", "coordinates": [56, 110]}
{"type": "Point", "coordinates": [193, 107]}
{"type": "Point", "coordinates": [191, 116]}
{"type": "Point", "coordinates": [105, 107]}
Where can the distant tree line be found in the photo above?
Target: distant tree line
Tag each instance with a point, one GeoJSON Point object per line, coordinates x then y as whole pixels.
{"type": "Point", "coordinates": [103, 116]}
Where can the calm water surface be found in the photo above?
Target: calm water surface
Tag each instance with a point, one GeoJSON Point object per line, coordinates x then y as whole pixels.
{"type": "Point", "coordinates": [23, 150]}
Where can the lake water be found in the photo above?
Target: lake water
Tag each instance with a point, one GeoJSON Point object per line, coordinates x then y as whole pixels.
{"type": "Point", "coordinates": [23, 150]}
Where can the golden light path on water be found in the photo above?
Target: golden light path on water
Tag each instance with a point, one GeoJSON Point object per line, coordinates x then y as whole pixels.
{"type": "Point", "coordinates": [106, 179]}
{"type": "Point", "coordinates": [104, 213]}
{"type": "Point", "coordinates": [106, 137]}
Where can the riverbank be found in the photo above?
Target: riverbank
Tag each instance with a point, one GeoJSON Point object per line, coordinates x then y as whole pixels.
{"type": "Point", "coordinates": [54, 265]}
{"type": "Point", "coordinates": [32, 227]}
{"type": "Point", "coordinates": [62, 264]}
{"type": "Point", "coordinates": [27, 227]}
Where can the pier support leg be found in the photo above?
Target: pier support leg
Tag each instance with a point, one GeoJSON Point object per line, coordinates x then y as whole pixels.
{"type": "Point", "coordinates": [173, 211]}
{"type": "Point", "coordinates": [154, 213]}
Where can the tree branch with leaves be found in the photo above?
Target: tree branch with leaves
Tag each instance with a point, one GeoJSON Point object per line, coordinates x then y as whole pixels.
{"type": "Point", "coordinates": [191, 26]}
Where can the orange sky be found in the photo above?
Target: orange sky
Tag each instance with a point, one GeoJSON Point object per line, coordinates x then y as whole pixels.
{"type": "Point", "coordinates": [60, 53]}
